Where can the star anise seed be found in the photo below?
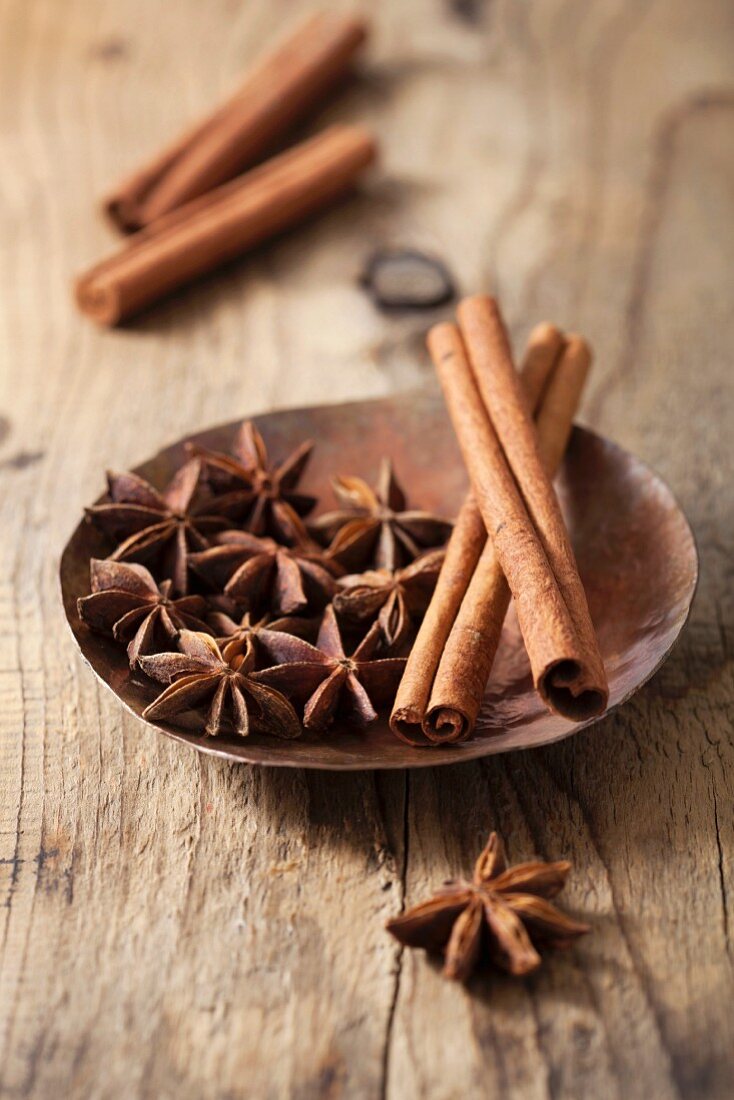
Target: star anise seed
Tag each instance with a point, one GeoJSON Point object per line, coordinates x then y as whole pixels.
{"type": "Point", "coordinates": [225, 681]}
{"type": "Point", "coordinates": [266, 492]}
{"type": "Point", "coordinates": [373, 527]}
{"type": "Point", "coordinates": [259, 574]}
{"type": "Point", "coordinates": [503, 912]}
{"type": "Point", "coordinates": [326, 680]}
{"type": "Point", "coordinates": [160, 529]}
{"type": "Point", "coordinates": [393, 598]}
{"type": "Point", "coordinates": [127, 603]}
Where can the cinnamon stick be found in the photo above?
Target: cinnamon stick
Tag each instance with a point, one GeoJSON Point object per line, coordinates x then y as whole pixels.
{"type": "Point", "coordinates": [282, 89]}
{"type": "Point", "coordinates": [522, 516]}
{"type": "Point", "coordinates": [225, 223]}
{"type": "Point", "coordinates": [464, 669]}
{"type": "Point", "coordinates": [462, 554]}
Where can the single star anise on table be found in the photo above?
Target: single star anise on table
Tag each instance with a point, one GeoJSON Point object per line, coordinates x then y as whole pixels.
{"type": "Point", "coordinates": [373, 526]}
{"type": "Point", "coordinates": [502, 912]}
{"type": "Point", "coordinates": [330, 682]}
{"type": "Point", "coordinates": [259, 574]}
{"type": "Point", "coordinates": [223, 680]}
{"type": "Point", "coordinates": [267, 492]}
{"type": "Point", "coordinates": [394, 598]}
{"type": "Point", "coordinates": [127, 603]}
{"type": "Point", "coordinates": [160, 529]}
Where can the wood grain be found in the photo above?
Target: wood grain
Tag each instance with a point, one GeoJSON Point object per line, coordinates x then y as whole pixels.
{"type": "Point", "coordinates": [173, 926]}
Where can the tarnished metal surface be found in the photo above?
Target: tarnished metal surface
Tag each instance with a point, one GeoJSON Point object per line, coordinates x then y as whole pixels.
{"type": "Point", "coordinates": [635, 550]}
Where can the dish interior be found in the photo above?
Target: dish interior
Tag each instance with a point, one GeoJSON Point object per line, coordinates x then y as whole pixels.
{"type": "Point", "coordinates": [635, 552]}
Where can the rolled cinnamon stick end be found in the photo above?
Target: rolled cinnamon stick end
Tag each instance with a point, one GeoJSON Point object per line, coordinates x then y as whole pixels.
{"type": "Point", "coordinates": [465, 666]}
{"type": "Point", "coordinates": [461, 678]}
{"type": "Point", "coordinates": [574, 686]}
{"type": "Point", "coordinates": [282, 89]}
{"type": "Point", "coordinates": [551, 636]}
{"type": "Point", "coordinates": [463, 552]}
{"type": "Point", "coordinates": [224, 224]}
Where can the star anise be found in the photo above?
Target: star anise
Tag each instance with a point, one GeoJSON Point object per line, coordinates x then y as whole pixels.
{"type": "Point", "coordinates": [266, 492]}
{"type": "Point", "coordinates": [502, 912]}
{"type": "Point", "coordinates": [258, 573]}
{"type": "Point", "coordinates": [160, 529]}
{"type": "Point", "coordinates": [373, 527]}
{"type": "Point", "coordinates": [223, 679]}
{"type": "Point", "coordinates": [393, 598]}
{"type": "Point", "coordinates": [227, 630]}
{"type": "Point", "coordinates": [327, 680]}
{"type": "Point", "coordinates": [127, 603]}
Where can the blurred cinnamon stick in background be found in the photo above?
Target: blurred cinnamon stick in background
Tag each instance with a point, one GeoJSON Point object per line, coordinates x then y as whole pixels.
{"type": "Point", "coordinates": [283, 87]}
{"type": "Point", "coordinates": [223, 224]}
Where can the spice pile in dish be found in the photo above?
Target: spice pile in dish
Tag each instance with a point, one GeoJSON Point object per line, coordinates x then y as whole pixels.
{"type": "Point", "coordinates": [248, 615]}
{"type": "Point", "coordinates": [258, 617]}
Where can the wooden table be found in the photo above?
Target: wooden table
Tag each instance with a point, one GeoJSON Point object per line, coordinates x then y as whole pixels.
{"type": "Point", "coordinates": [172, 926]}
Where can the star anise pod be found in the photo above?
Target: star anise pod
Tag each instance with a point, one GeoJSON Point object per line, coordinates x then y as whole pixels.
{"type": "Point", "coordinates": [227, 630]}
{"type": "Point", "coordinates": [502, 912]}
{"type": "Point", "coordinates": [127, 603]}
{"type": "Point", "coordinates": [259, 574]}
{"type": "Point", "coordinates": [160, 529]}
{"type": "Point", "coordinates": [225, 681]}
{"type": "Point", "coordinates": [266, 491]}
{"type": "Point", "coordinates": [394, 598]}
{"type": "Point", "coordinates": [373, 527]}
{"type": "Point", "coordinates": [327, 680]}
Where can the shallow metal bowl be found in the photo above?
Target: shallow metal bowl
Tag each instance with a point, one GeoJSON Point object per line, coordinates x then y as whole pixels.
{"type": "Point", "coordinates": [635, 550]}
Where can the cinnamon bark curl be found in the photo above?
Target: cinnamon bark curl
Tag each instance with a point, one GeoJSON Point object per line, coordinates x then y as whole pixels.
{"type": "Point", "coordinates": [519, 507]}
{"type": "Point", "coordinates": [463, 553]}
{"type": "Point", "coordinates": [466, 662]}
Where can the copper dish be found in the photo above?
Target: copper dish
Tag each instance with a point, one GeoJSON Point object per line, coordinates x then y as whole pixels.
{"type": "Point", "coordinates": [635, 549]}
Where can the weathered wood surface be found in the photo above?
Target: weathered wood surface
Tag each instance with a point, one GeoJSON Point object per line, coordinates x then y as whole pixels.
{"type": "Point", "coordinates": [174, 926]}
